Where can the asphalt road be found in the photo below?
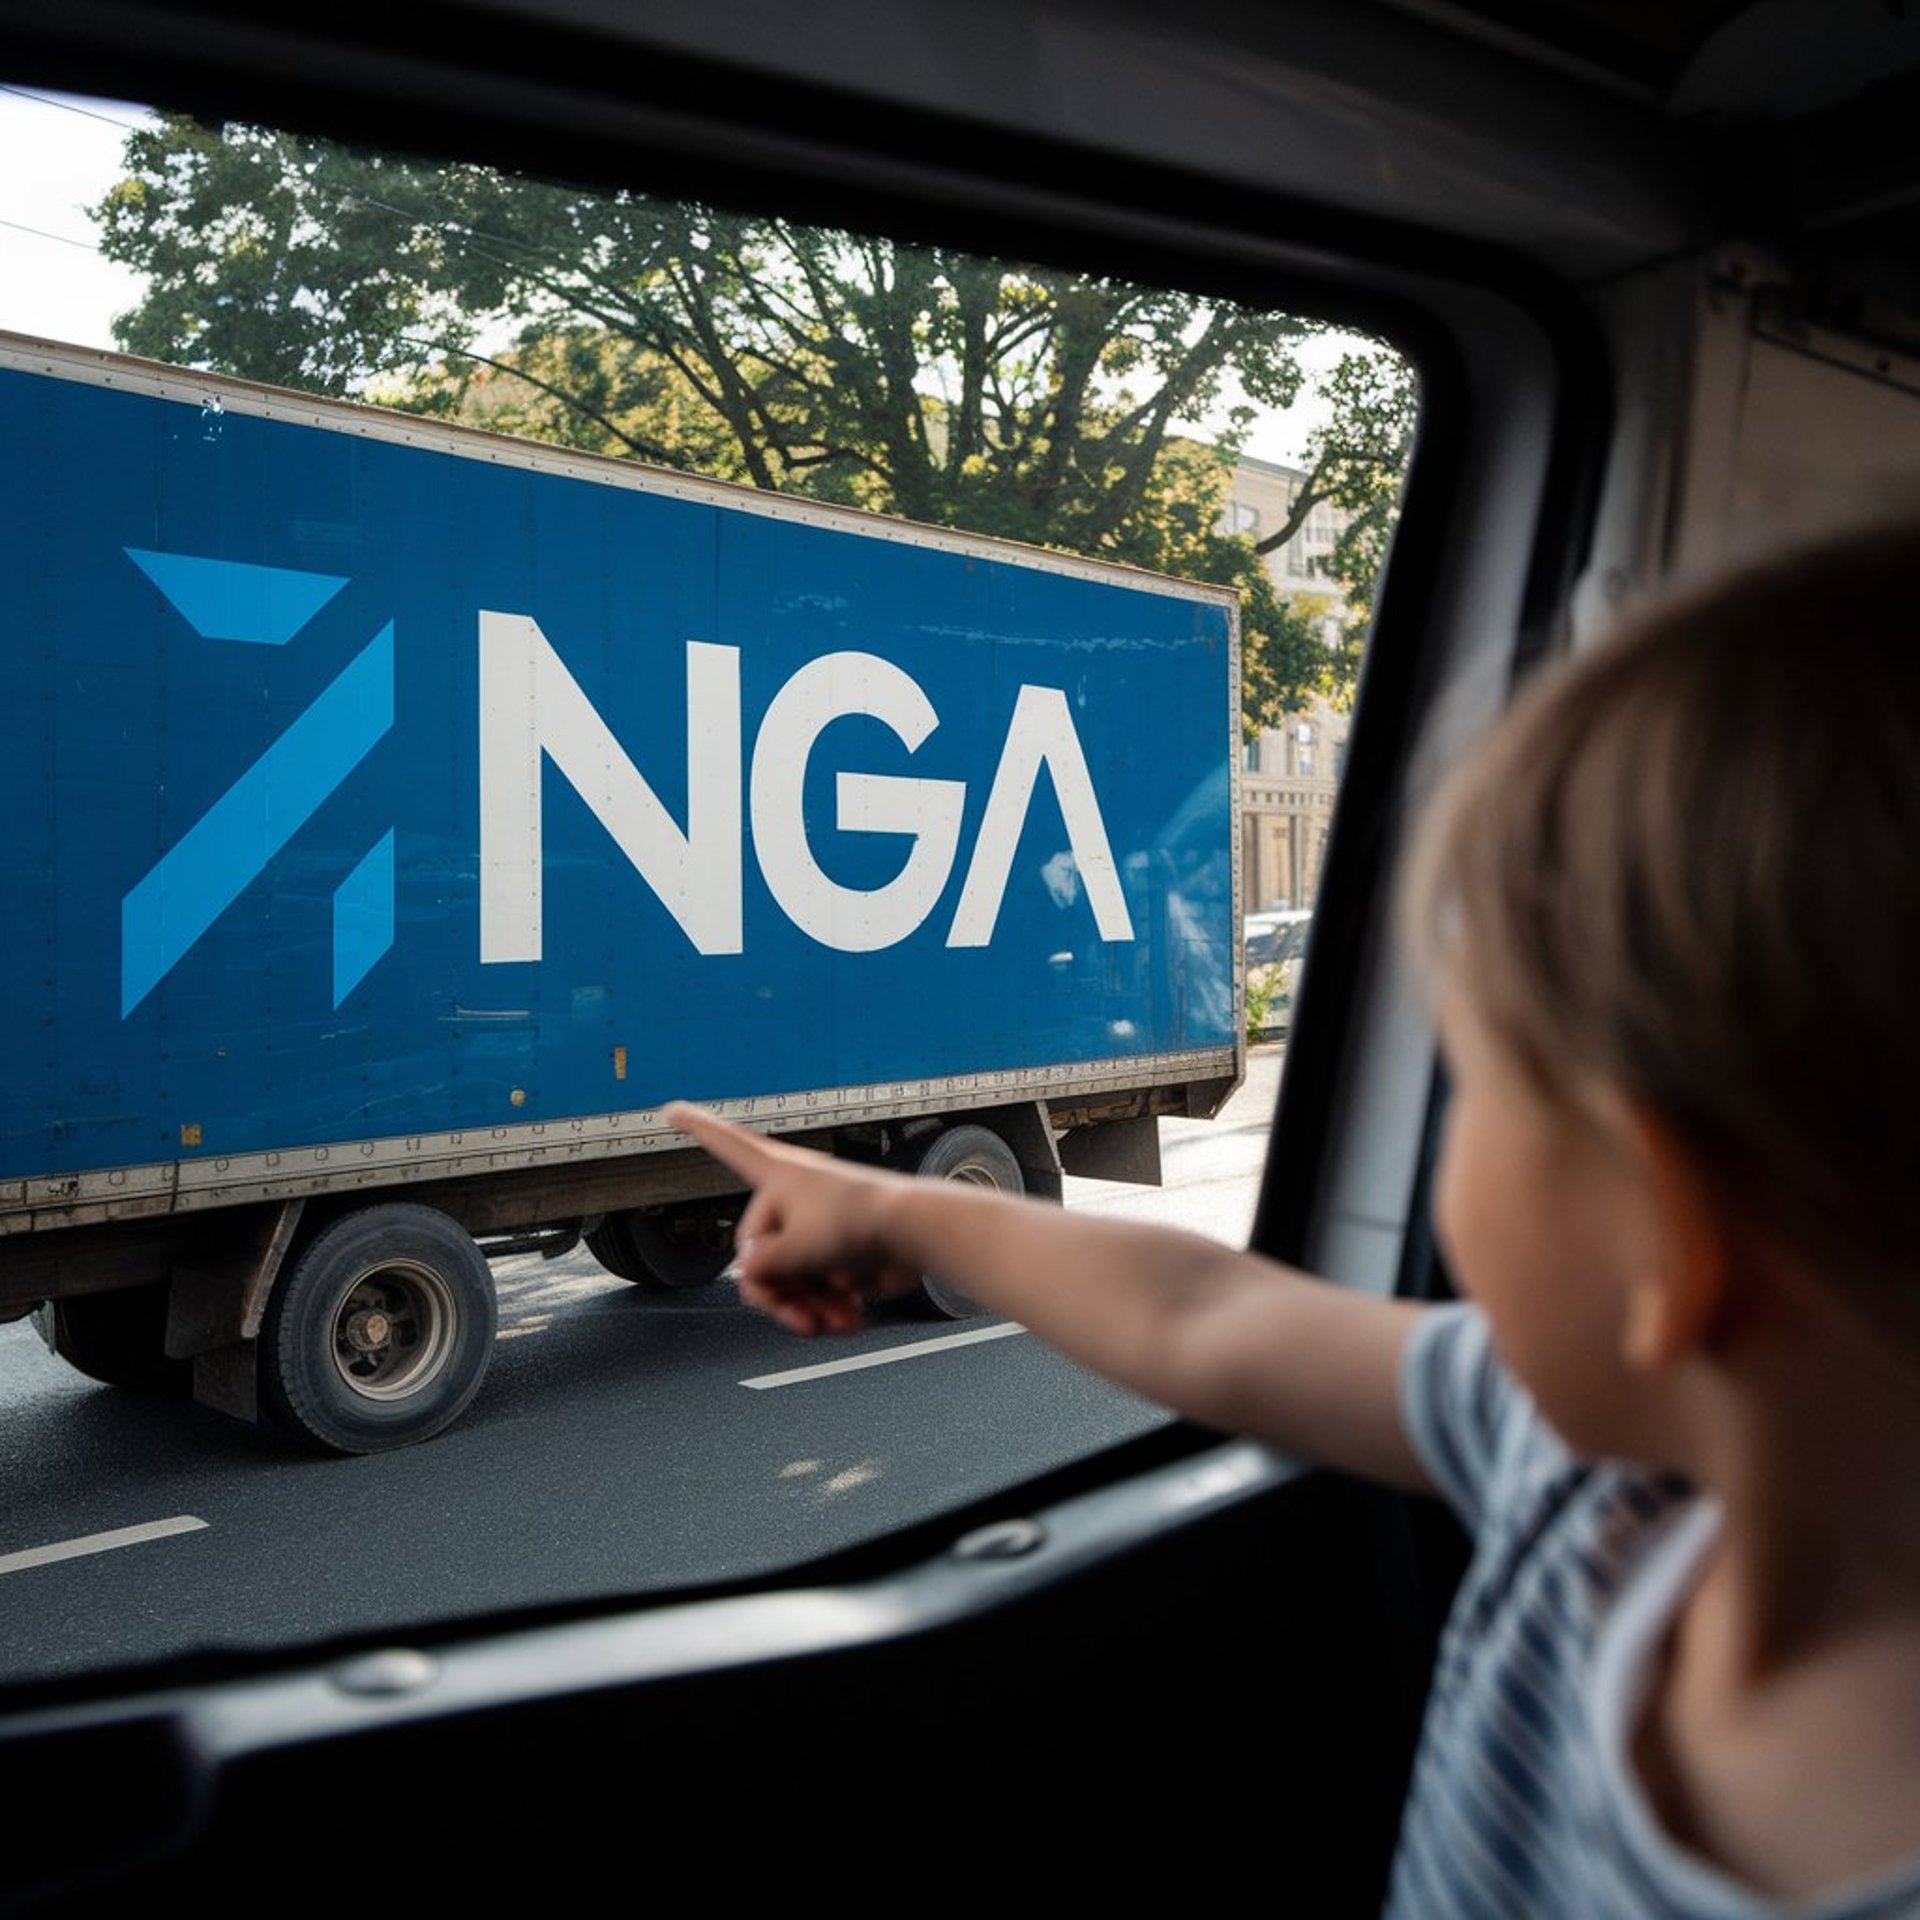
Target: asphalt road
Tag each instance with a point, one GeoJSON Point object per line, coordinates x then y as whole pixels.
{"type": "Point", "coordinates": [624, 1442]}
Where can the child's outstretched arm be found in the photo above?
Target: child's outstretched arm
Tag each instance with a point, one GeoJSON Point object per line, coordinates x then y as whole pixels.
{"type": "Point", "coordinates": [1227, 1338]}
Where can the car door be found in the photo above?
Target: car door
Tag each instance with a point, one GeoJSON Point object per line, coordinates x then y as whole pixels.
{"type": "Point", "coordinates": [1180, 1667]}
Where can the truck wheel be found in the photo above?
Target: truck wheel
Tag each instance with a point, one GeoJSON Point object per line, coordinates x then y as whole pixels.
{"type": "Point", "coordinates": [664, 1248]}
{"type": "Point", "coordinates": [116, 1338]}
{"type": "Point", "coordinates": [379, 1332]}
{"type": "Point", "coordinates": [608, 1244]}
{"type": "Point", "coordinates": [980, 1157]}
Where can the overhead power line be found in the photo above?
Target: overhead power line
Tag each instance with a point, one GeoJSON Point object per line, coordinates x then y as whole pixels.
{"type": "Point", "coordinates": [40, 233]}
{"type": "Point", "coordinates": [71, 106]}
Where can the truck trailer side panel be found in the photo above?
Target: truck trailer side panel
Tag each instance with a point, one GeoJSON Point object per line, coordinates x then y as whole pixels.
{"type": "Point", "coordinates": [396, 792]}
{"type": "Point", "coordinates": [400, 815]}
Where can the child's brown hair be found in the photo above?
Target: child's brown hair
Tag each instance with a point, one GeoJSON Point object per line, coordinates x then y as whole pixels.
{"type": "Point", "coordinates": [1686, 866]}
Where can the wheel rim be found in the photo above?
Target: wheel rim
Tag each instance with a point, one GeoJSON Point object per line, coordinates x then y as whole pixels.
{"type": "Point", "coordinates": [393, 1330]}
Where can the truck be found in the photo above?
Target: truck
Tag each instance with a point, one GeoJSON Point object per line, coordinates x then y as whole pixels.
{"type": "Point", "coordinates": [401, 814]}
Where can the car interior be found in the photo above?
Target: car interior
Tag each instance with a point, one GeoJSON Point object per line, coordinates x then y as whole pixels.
{"type": "Point", "coordinates": [1655, 268]}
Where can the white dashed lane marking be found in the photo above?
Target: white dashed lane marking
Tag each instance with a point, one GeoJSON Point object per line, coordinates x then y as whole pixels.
{"type": "Point", "coordinates": [919, 1350]}
{"type": "Point", "coordinates": [99, 1543]}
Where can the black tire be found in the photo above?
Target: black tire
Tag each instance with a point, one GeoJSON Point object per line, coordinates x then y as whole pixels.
{"type": "Point", "coordinates": [667, 1249]}
{"type": "Point", "coordinates": [610, 1245]}
{"type": "Point", "coordinates": [116, 1338]}
{"type": "Point", "coordinates": [379, 1332]}
{"type": "Point", "coordinates": [981, 1158]}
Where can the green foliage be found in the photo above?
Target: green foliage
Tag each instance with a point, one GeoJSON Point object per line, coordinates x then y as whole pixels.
{"type": "Point", "coordinates": [1037, 405]}
{"type": "Point", "coordinates": [1285, 656]}
{"type": "Point", "coordinates": [1264, 1000]}
{"type": "Point", "coordinates": [1357, 463]}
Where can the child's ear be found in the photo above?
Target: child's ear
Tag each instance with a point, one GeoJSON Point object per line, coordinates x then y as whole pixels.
{"type": "Point", "coordinates": [1677, 1288]}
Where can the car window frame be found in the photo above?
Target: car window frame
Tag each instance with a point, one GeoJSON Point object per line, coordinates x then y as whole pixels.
{"type": "Point", "coordinates": [1497, 507]}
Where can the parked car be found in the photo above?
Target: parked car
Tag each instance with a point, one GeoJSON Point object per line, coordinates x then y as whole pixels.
{"type": "Point", "coordinates": [1276, 937]}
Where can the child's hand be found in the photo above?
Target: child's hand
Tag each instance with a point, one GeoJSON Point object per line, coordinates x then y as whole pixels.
{"type": "Point", "coordinates": [810, 1248]}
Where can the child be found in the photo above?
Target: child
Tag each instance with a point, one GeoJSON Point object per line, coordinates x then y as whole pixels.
{"type": "Point", "coordinates": [1671, 924]}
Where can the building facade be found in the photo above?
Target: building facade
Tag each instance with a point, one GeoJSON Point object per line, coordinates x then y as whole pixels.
{"type": "Point", "coordinates": [1287, 788]}
{"type": "Point", "coordinates": [1290, 772]}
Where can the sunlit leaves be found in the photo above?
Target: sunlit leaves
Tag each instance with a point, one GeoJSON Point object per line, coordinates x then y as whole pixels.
{"type": "Point", "coordinates": [1041, 405]}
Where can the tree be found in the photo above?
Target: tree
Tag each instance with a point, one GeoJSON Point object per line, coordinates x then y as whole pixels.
{"type": "Point", "coordinates": [1035, 404]}
{"type": "Point", "coordinates": [1357, 463]}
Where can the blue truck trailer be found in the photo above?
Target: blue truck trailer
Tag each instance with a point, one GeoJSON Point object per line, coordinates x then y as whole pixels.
{"type": "Point", "coordinates": [398, 815]}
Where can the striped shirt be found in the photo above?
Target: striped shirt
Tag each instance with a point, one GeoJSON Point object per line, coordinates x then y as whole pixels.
{"type": "Point", "coordinates": [1523, 1803]}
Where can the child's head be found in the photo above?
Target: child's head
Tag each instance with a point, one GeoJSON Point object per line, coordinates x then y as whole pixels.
{"type": "Point", "coordinates": [1685, 868]}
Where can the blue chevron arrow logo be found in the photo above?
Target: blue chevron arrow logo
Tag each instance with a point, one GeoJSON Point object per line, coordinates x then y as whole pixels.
{"type": "Point", "coordinates": [181, 896]}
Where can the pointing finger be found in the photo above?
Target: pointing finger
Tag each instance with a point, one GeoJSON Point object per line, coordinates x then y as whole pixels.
{"type": "Point", "coordinates": [734, 1147]}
